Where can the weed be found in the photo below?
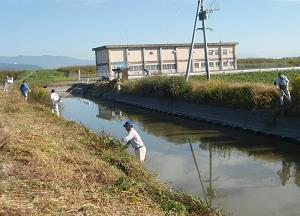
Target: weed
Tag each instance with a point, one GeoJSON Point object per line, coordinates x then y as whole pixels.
{"type": "Point", "coordinates": [123, 184]}
{"type": "Point", "coordinates": [174, 207]}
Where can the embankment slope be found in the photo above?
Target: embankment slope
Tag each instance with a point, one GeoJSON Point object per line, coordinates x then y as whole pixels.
{"type": "Point", "coordinates": [49, 166]}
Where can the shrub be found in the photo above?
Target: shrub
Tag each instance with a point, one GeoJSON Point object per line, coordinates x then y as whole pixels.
{"type": "Point", "coordinates": [172, 207]}
{"type": "Point", "coordinates": [295, 92]}
{"type": "Point", "coordinates": [40, 95]}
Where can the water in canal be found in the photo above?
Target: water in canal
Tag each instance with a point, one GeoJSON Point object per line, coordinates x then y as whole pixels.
{"type": "Point", "coordinates": [243, 174]}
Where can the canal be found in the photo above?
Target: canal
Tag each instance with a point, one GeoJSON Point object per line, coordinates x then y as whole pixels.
{"type": "Point", "coordinates": [240, 173]}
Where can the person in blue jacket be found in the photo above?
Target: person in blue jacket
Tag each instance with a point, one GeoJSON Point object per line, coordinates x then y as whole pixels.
{"type": "Point", "coordinates": [24, 90]}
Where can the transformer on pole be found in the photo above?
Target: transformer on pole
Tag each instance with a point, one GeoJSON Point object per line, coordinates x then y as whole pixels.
{"type": "Point", "coordinates": [202, 16]}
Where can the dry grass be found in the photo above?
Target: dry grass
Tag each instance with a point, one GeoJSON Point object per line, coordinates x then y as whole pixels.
{"type": "Point", "coordinates": [49, 166]}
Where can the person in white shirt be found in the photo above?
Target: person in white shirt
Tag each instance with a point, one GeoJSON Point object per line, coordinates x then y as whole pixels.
{"type": "Point", "coordinates": [54, 102]}
{"type": "Point", "coordinates": [5, 84]}
{"type": "Point", "coordinates": [282, 84]}
{"type": "Point", "coordinates": [134, 139]}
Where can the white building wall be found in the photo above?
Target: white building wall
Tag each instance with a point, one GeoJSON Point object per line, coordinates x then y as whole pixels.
{"type": "Point", "coordinates": [117, 55]}
{"type": "Point", "coordinates": [135, 56]}
{"type": "Point", "coordinates": [164, 59]}
{"type": "Point", "coordinates": [151, 55]}
{"type": "Point", "coordinates": [168, 55]}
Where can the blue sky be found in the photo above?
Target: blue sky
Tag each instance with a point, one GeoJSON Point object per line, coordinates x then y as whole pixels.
{"type": "Point", "coordinates": [269, 28]}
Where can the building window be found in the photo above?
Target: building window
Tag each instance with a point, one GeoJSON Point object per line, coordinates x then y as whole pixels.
{"type": "Point", "coordinates": [134, 49]}
{"type": "Point", "coordinates": [211, 64]}
{"type": "Point", "coordinates": [136, 68]}
{"type": "Point", "coordinates": [211, 52]}
{"type": "Point", "coordinates": [224, 52]}
{"type": "Point", "coordinates": [225, 64]}
{"type": "Point", "coordinates": [218, 64]}
{"type": "Point", "coordinates": [153, 67]}
{"type": "Point", "coordinates": [217, 52]}
{"type": "Point", "coordinates": [168, 48]}
{"type": "Point", "coordinates": [196, 65]}
{"type": "Point", "coordinates": [121, 64]}
{"type": "Point", "coordinates": [169, 66]}
{"type": "Point", "coordinates": [231, 63]}
{"type": "Point", "coordinates": [150, 49]}
{"type": "Point", "coordinates": [203, 64]}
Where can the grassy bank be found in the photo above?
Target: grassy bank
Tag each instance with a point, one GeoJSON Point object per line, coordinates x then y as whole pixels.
{"type": "Point", "coordinates": [49, 166]}
{"type": "Point", "coordinates": [37, 77]}
{"type": "Point", "coordinates": [252, 63]}
{"type": "Point", "coordinates": [245, 95]}
{"type": "Point", "coordinates": [255, 77]}
{"type": "Point", "coordinates": [88, 70]}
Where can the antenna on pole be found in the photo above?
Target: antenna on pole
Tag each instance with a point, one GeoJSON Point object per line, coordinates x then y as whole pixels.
{"type": "Point", "coordinates": [203, 15]}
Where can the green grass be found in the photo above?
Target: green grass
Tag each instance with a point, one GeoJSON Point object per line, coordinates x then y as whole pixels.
{"type": "Point", "coordinates": [84, 70]}
{"type": "Point", "coordinates": [16, 74]}
{"type": "Point", "coordinates": [252, 63]}
{"type": "Point", "coordinates": [226, 91]}
{"type": "Point", "coordinates": [255, 77]}
{"type": "Point", "coordinates": [47, 76]}
{"type": "Point", "coordinates": [40, 77]}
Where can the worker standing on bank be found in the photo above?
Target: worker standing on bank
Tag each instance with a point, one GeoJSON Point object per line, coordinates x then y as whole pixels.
{"type": "Point", "coordinates": [282, 84]}
{"type": "Point", "coordinates": [54, 102]}
{"type": "Point", "coordinates": [24, 90]}
{"type": "Point", "coordinates": [134, 139]}
{"type": "Point", "coordinates": [5, 84]}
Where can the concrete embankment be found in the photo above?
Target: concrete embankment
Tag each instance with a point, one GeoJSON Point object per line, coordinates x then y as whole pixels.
{"type": "Point", "coordinates": [257, 122]}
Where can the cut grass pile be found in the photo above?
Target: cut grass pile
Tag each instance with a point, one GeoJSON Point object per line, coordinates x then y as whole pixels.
{"type": "Point", "coordinates": [49, 166]}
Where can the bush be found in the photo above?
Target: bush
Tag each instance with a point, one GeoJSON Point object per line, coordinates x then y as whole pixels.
{"type": "Point", "coordinates": [164, 87]}
{"type": "Point", "coordinates": [295, 92]}
{"type": "Point", "coordinates": [252, 96]}
{"type": "Point", "coordinates": [39, 95]}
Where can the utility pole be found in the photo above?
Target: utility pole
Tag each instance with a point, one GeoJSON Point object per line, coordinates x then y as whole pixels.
{"type": "Point", "coordinates": [193, 42]}
{"type": "Point", "coordinates": [202, 17]}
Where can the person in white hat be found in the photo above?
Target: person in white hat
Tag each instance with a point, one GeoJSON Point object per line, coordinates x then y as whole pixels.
{"type": "Point", "coordinates": [134, 139]}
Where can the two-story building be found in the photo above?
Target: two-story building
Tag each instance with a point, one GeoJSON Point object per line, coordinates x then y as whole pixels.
{"type": "Point", "coordinates": [163, 58]}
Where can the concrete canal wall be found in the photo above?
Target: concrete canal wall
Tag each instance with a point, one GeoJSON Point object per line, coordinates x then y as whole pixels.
{"type": "Point", "coordinates": [257, 122]}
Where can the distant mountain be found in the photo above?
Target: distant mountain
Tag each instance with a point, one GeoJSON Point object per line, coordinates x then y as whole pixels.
{"type": "Point", "coordinates": [4, 66]}
{"type": "Point", "coordinates": [45, 61]}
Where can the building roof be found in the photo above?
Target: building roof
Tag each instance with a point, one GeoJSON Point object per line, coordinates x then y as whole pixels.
{"type": "Point", "coordinates": [161, 45]}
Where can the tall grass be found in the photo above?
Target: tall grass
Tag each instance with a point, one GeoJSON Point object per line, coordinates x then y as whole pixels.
{"type": "Point", "coordinates": [84, 70]}
{"type": "Point", "coordinates": [214, 92]}
{"type": "Point", "coordinates": [17, 75]}
{"type": "Point", "coordinates": [251, 96]}
{"type": "Point", "coordinates": [252, 63]}
{"type": "Point", "coordinates": [255, 77]}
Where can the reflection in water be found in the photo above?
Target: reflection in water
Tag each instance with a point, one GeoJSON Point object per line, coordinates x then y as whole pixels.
{"type": "Point", "coordinates": [198, 170]}
{"type": "Point", "coordinates": [242, 173]}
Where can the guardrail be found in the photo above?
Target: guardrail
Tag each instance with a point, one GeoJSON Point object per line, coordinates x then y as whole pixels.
{"type": "Point", "coordinates": [225, 72]}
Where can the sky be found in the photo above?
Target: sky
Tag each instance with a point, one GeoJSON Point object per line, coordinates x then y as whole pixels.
{"type": "Point", "coordinates": [263, 28]}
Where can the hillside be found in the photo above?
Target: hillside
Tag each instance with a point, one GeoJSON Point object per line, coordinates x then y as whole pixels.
{"type": "Point", "coordinates": [45, 61]}
{"type": "Point", "coordinates": [5, 66]}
